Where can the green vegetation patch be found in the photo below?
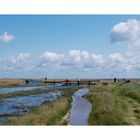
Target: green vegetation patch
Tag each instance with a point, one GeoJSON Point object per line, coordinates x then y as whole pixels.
{"type": "Point", "coordinates": [130, 90]}
{"type": "Point", "coordinates": [50, 113]}
{"type": "Point", "coordinates": [115, 104]}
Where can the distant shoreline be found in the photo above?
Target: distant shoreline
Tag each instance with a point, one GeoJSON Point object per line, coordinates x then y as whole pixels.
{"type": "Point", "coordinates": [69, 78]}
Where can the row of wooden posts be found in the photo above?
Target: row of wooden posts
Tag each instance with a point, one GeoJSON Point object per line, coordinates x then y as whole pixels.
{"type": "Point", "coordinates": [78, 81]}
{"type": "Point", "coordinates": [69, 82]}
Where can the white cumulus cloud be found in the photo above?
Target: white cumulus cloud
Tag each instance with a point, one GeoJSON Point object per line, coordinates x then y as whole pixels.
{"type": "Point", "coordinates": [79, 56]}
{"type": "Point", "coordinates": [135, 44]}
{"type": "Point", "coordinates": [125, 31]}
{"type": "Point", "coordinates": [21, 58]}
{"type": "Point", "coordinates": [22, 61]}
{"type": "Point", "coordinates": [97, 58]}
{"type": "Point", "coordinates": [117, 57]}
{"type": "Point", "coordinates": [6, 37]}
{"type": "Point", "coordinates": [85, 56]}
{"type": "Point", "coordinates": [52, 56]}
{"type": "Point", "coordinates": [74, 61]}
{"type": "Point", "coordinates": [75, 55]}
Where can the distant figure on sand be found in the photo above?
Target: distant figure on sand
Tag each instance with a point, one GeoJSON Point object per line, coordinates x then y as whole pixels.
{"type": "Point", "coordinates": [115, 79]}
{"type": "Point", "coordinates": [27, 82]}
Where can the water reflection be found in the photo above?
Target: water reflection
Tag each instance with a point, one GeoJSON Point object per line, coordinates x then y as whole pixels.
{"type": "Point", "coordinates": [81, 108]}
{"type": "Point", "coordinates": [23, 104]}
{"type": "Point", "coordinates": [15, 89]}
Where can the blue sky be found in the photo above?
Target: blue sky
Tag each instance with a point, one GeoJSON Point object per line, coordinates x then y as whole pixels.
{"type": "Point", "coordinates": [60, 46]}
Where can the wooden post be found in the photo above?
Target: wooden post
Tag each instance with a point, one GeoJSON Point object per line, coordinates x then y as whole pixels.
{"type": "Point", "coordinates": [89, 83]}
{"type": "Point", "coordinates": [45, 81]}
{"type": "Point", "coordinates": [54, 82]}
{"type": "Point", "coordinates": [78, 82]}
{"type": "Point", "coordinates": [67, 82]}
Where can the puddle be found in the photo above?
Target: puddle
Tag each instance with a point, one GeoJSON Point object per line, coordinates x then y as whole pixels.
{"type": "Point", "coordinates": [34, 82]}
{"type": "Point", "coordinates": [81, 108]}
{"type": "Point", "coordinates": [23, 104]}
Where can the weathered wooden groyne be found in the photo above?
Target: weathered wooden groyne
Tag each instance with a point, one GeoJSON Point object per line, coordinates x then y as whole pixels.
{"type": "Point", "coordinates": [72, 81]}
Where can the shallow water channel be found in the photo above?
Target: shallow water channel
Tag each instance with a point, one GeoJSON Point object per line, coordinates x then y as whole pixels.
{"type": "Point", "coordinates": [81, 108]}
{"type": "Point", "coordinates": [15, 89]}
{"type": "Point", "coordinates": [20, 105]}
{"type": "Point", "coordinates": [23, 104]}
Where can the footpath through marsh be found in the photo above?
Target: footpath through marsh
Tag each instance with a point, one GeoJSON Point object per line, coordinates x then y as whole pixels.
{"type": "Point", "coordinates": [115, 104]}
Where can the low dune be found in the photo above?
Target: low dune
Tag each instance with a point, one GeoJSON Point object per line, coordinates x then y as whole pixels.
{"type": "Point", "coordinates": [11, 82]}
